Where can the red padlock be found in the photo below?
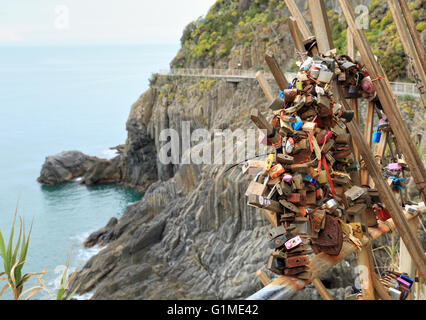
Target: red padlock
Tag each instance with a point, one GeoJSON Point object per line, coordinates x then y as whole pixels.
{"type": "Point", "coordinates": [326, 137]}
{"type": "Point", "coordinates": [381, 212]}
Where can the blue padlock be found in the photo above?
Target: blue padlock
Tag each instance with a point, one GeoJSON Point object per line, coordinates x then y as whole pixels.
{"type": "Point", "coordinates": [307, 177]}
{"type": "Point", "coordinates": [298, 124]}
{"type": "Point", "coordinates": [376, 136]}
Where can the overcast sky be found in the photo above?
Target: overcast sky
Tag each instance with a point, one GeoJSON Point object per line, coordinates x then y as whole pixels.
{"type": "Point", "coordinates": [67, 22]}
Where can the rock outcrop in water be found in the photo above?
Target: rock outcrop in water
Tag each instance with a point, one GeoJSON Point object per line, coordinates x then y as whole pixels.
{"type": "Point", "coordinates": [68, 165]}
{"type": "Point", "coordinates": [65, 166]}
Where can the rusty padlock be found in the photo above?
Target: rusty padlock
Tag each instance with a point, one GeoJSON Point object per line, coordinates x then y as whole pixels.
{"type": "Point", "coordinates": [296, 261]}
{"type": "Point", "coordinates": [256, 187]}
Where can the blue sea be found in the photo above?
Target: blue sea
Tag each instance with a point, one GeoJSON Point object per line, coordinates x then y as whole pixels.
{"type": "Point", "coordinates": [54, 99]}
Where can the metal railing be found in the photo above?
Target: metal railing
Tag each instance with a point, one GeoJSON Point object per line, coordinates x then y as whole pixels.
{"type": "Point", "coordinates": [398, 88]}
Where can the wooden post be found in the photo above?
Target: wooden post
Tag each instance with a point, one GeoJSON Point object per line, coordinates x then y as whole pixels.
{"type": "Point", "coordinates": [322, 290]}
{"type": "Point", "coordinates": [410, 49]}
{"type": "Point", "coordinates": [294, 10]}
{"type": "Point", "coordinates": [381, 147]}
{"type": "Point", "coordinates": [411, 241]}
{"type": "Point", "coordinates": [368, 130]}
{"type": "Point", "coordinates": [353, 103]}
{"type": "Point", "coordinates": [413, 32]}
{"type": "Point", "coordinates": [265, 86]}
{"type": "Point", "coordinates": [405, 262]}
{"type": "Point", "coordinates": [321, 26]}
{"type": "Point", "coordinates": [276, 71]}
{"type": "Point", "coordinates": [388, 101]}
{"type": "Point", "coordinates": [295, 34]}
{"type": "Point", "coordinates": [365, 274]}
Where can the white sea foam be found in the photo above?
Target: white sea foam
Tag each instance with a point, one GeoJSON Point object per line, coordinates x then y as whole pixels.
{"type": "Point", "coordinates": [109, 153]}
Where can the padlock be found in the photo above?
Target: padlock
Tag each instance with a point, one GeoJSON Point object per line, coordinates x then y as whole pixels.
{"type": "Point", "coordinates": [314, 73]}
{"type": "Point", "coordinates": [294, 271]}
{"type": "Point", "coordinates": [325, 76]}
{"type": "Point", "coordinates": [287, 178]}
{"type": "Point", "coordinates": [394, 293]}
{"type": "Point", "coordinates": [290, 95]}
{"type": "Point", "coordinates": [256, 187]}
{"type": "Point", "coordinates": [322, 177]}
{"type": "Point", "coordinates": [278, 242]}
{"type": "Point", "coordinates": [323, 101]}
{"type": "Point", "coordinates": [331, 205]}
{"type": "Point", "coordinates": [275, 264]}
{"type": "Point", "coordinates": [381, 212]}
{"type": "Point", "coordinates": [298, 123]}
{"type": "Point", "coordinates": [277, 231]}
{"type": "Point", "coordinates": [355, 192]}
{"type": "Point", "coordinates": [289, 146]}
{"type": "Point", "coordinates": [309, 126]}
{"type": "Point", "coordinates": [289, 206]}
{"type": "Point", "coordinates": [269, 161]}
{"type": "Point", "coordinates": [348, 115]}
{"type": "Point", "coordinates": [376, 136]}
{"type": "Point", "coordinates": [324, 136]}
{"type": "Point", "coordinates": [356, 229]}
{"type": "Point", "coordinates": [394, 166]}
{"type": "Point", "coordinates": [293, 243]}
{"type": "Point", "coordinates": [276, 171]}
{"type": "Point", "coordinates": [298, 181]}
{"type": "Point", "coordinates": [284, 158]}
{"type": "Point", "coordinates": [296, 261]}
{"type": "Point", "coordinates": [294, 198]}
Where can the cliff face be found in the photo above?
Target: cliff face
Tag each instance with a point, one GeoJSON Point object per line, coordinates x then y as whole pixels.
{"type": "Point", "coordinates": [193, 236]}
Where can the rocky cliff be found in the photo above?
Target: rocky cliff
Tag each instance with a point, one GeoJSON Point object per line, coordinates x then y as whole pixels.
{"type": "Point", "coordinates": [192, 236]}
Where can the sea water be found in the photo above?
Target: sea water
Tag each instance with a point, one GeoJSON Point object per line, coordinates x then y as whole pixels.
{"type": "Point", "coordinates": [54, 99]}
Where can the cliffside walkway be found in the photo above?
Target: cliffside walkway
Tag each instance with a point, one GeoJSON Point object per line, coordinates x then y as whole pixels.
{"type": "Point", "coordinates": [236, 75]}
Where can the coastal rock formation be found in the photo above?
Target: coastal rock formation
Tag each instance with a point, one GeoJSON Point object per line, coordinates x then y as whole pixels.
{"type": "Point", "coordinates": [64, 166]}
{"type": "Point", "coordinates": [68, 165]}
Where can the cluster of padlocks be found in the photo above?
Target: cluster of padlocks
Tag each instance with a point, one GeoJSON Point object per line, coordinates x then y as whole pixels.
{"type": "Point", "coordinates": [306, 184]}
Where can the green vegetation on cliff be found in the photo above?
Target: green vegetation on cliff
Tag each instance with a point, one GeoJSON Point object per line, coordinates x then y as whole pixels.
{"type": "Point", "coordinates": [232, 26]}
{"type": "Point", "coordinates": [228, 23]}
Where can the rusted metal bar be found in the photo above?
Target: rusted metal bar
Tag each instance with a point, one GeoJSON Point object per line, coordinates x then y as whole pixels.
{"type": "Point", "coordinates": [284, 287]}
